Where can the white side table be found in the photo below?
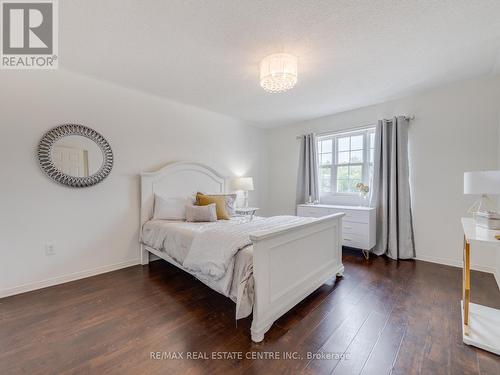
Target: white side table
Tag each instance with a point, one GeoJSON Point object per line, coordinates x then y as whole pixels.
{"type": "Point", "coordinates": [481, 324]}
{"type": "Point", "coordinates": [246, 211]}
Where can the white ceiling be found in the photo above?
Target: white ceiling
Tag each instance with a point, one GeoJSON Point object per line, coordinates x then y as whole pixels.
{"type": "Point", "coordinates": [351, 53]}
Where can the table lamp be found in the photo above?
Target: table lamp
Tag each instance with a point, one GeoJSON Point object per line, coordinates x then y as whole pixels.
{"type": "Point", "coordinates": [482, 183]}
{"type": "Point", "coordinates": [244, 184]}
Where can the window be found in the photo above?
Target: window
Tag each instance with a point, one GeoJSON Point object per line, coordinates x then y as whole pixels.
{"type": "Point", "coordinates": [345, 159]}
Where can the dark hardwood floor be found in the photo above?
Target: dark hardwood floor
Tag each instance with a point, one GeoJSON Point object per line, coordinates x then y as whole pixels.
{"type": "Point", "coordinates": [399, 317]}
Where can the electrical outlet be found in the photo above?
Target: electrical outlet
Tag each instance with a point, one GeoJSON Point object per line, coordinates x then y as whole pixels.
{"type": "Point", "coordinates": [49, 249]}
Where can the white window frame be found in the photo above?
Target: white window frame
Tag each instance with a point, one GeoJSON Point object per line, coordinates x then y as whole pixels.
{"type": "Point", "coordinates": [366, 165]}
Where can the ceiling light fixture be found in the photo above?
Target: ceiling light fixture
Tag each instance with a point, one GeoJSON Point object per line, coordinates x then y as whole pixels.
{"type": "Point", "coordinates": [278, 72]}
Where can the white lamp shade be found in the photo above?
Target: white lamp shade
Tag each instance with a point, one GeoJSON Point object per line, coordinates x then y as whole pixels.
{"type": "Point", "coordinates": [242, 183]}
{"type": "Point", "coordinates": [482, 182]}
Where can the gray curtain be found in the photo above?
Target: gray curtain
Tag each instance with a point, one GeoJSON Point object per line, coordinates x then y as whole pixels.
{"type": "Point", "coordinates": [391, 190]}
{"type": "Point", "coordinates": [307, 179]}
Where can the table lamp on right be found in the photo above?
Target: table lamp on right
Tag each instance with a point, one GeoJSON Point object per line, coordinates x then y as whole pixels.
{"type": "Point", "coordinates": [483, 183]}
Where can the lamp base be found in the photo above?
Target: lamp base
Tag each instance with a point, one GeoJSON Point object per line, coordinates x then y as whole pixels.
{"type": "Point", "coordinates": [245, 199]}
{"type": "Point", "coordinates": [483, 204]}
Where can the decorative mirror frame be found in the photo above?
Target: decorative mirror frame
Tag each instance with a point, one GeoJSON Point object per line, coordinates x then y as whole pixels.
{"type": "Point", "coordinates": [45, 155]}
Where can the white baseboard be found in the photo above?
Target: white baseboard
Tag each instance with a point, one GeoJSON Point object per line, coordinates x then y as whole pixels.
{"type": "Point", "coordinates": [66, 278]}
{"type": "Point", "coordinates": [454, 263]}
{"type": "Point", "coordinates": [113, 267]}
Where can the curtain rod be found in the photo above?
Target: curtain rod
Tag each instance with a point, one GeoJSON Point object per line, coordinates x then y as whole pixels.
{"type": "Point", "coordinates": [409, 118]}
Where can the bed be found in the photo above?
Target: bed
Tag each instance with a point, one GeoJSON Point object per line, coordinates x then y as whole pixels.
{"type": "Point", "coordinates": [276, 262]}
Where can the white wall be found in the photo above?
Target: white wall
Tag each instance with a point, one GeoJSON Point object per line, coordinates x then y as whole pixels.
{"type": "Point", "coordinates": [456, 129]}
{"type": "Point", "coordinates": [96, 229]}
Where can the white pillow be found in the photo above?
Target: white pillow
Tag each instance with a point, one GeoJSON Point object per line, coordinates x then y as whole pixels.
{"type": "Point", "coordinates": [170, 208]}
{"type": "Point", "coordinates": [201, 213]}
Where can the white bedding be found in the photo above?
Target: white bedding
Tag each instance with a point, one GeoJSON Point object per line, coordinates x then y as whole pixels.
{"type": "Point", "coordinates": [213, 249]}
{"type": "Point", "coordinates": [172, 237]}
{"type": "Point", "coordinates": [218, 253]}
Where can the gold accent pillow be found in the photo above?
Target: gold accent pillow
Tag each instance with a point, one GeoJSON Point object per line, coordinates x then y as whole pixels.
{"type": "Point", "coordinates": [220, 204]}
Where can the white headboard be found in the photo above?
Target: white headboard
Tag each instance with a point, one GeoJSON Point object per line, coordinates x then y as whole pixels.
{"type": "Point", "coordinates": [177, 180]}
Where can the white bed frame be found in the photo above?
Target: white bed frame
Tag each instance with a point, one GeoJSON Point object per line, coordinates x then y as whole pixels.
{"type": "Point", "coordinates": [288, 264]}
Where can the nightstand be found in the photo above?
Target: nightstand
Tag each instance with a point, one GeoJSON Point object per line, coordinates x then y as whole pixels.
{"type": "Point", "coordinates": [358, 224]}
{"type": "Point", "coordinates": [246, 211]}
{"type": "Point", "coordinates": [481, 324]}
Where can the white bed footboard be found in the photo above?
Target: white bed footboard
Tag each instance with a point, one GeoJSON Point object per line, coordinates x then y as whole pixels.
{"type": "Point", "coordinates": [289, 264]}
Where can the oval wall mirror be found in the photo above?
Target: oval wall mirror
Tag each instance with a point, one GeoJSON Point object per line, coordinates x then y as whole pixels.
{"type": "Point", "coordinates": [75, 155]}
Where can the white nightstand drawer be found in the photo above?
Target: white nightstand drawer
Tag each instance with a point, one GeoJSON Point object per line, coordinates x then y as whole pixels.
{"type": "Point", "coordinates": [350, 215]}
{"type": "Point", "coordinates": [356, 228]}
{"type": "Point", "coordinates": [355, 240]}
{"type": "Point", "coordinates": [357, 216]}
{"type": "Point", "coordinates": [313, 211]}
{"type": "Point", "coordinates": [353, 216]}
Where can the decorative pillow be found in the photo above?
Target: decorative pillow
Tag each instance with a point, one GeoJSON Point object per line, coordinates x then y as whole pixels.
{"type": "Point", "coordinates": [170, 208]}
{"type": "Point", "coordinates": [230, 202]}
{"type": "Point", "coordinates": [201, 213]}
{"type": "Point", "coordinates": [220, 204]}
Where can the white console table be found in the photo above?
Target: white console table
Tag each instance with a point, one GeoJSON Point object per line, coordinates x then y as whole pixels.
{"type": "Point", "coordinates": [358, 224]}
{"type": "Point", "coordinates": [481, 324]}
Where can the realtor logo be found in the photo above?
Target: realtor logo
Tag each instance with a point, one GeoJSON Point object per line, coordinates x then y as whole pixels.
{"type": "Point", "coordinates": [29, 34]}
